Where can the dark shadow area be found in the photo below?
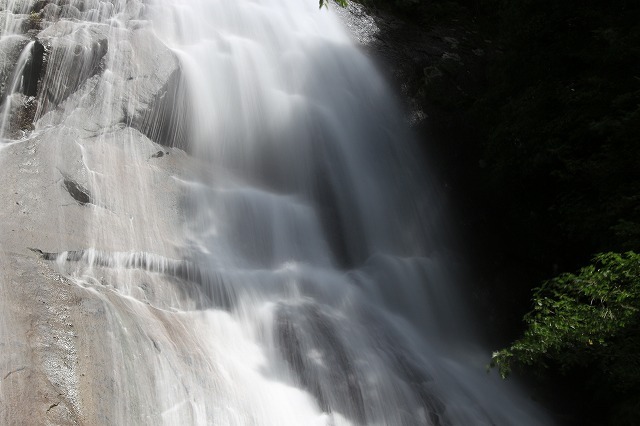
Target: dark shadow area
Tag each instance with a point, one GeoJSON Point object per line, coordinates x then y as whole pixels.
{"type": "Point", "coordinates": [530, 114]}
{"type": "Point", "coordinates": [78, 192]}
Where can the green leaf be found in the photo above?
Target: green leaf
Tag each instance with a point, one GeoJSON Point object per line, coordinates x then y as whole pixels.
{"type": "Point", "coordinates": [579, 319]}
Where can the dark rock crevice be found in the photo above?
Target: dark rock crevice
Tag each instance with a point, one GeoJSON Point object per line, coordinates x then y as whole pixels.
{"type": "Point", "coordinates": [52, 406]}
{"type": "Point", "coordinates": [17, 370]}
{"type": "Point", "coordinates": [33, 70]}
{"type": "Point", "coordinates": [39, 5]}
{"type": "Point", "coordinates": [23, 104]}
{"type": "Point", "coordinates": [78, 192]}
{"type": "Point", "coordinates": [160, 154]}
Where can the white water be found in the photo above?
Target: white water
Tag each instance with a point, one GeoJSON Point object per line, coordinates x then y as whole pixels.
{"type": "Point", "coordinates": [301, 278]}
{"type": "Point", "coordinates": [16, 85]}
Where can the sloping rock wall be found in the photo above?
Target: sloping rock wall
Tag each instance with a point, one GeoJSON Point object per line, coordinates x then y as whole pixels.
{"type": "Point", "coordinates": [76, 166]}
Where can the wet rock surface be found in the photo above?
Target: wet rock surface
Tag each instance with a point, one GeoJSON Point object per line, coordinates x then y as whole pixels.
{"type": "Point", "coordinates": [77, 163]}
{"type": "Point", "coordinates": [74, 53]}
{"type": "Point", "coordinates": [10, 49]}
{"type": "Point", "coordinates": [80, 59]}
{"type": "Point", "coordinates": [135, 93]}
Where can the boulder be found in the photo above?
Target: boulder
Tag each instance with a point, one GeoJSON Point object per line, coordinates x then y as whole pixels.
{"type": "Point", "coordinates": [154, 98]}
{"type": "Point", "coordinates": [74, 52]}
{"type": "Point", "coordinates": [140, 85]}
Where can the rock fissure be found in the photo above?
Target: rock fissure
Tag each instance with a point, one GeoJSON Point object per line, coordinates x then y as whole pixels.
{"type": "Point", "coordinates": [78, 192]}
{"type": "Point", "coordinates": [14, 371]}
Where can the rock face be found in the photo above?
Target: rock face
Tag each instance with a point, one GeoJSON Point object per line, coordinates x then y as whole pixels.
{"type": "Point", "coordinates": [141, 80]}
{"type": "Point", "coordinates": [95, 85]}
{"type": "Point", "coordinates": [74, 53]}
{"type": "Point", "coordinates": [94, 65]}
{"type": "Point", "coordinates": [10, 49]}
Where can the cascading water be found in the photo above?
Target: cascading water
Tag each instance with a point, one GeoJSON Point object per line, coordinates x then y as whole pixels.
{"type": "Point", "coordinates": [16, 86]}
{"type": "Point", "coordinates": [221, 213]}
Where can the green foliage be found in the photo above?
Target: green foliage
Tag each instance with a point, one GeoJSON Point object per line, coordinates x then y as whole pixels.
{"type": "Point", "coordinates": [341, 3]}
{"type": "Point", "coordinates": [587, 324]}
{"type": "Point", "coordinates": [34, 22]}
{"type": "Point", "coordinates": [582, 318]}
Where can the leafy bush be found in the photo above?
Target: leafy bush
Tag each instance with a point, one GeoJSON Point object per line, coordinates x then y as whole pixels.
{"type": "Point", "coordinates": [325, 3]}
{"type": "Point", "coordinates": [580, 318]}
{"type": "Point", "coordinates": [590, 321]}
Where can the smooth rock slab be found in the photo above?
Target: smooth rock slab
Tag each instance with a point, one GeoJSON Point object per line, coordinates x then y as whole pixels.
{"type": "Point", "coordinates": [74, 53]}
{"type": "Point", "coordinates": [116, 168]}
{"type": "Point", "coordinates": [139, 84]}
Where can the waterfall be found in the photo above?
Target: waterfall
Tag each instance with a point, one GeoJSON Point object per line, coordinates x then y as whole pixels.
{"type": "Point", "coordinates": [220, 217]}
{"type": "Point", "coordinates": [16, 87]}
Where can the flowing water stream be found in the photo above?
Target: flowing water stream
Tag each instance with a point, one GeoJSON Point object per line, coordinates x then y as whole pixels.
{"type": "Point", "coordinates": [242, 217]}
